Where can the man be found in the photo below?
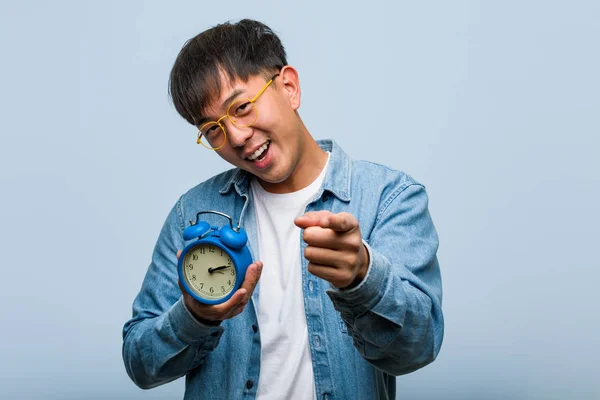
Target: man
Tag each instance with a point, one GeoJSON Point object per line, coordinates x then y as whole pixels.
{"type": "Point", "coordinates": [345, 290]}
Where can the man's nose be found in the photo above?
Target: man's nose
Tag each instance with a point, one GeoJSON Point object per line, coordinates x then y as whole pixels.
{"type": "Point", "coordinates": [238, 136]}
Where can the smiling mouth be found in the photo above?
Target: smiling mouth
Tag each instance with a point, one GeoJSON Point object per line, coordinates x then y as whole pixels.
{"type": "Point", "coordinates": [260, 153]}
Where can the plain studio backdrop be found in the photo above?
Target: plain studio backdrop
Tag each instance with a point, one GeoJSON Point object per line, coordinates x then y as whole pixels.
{"type": "Point", "coordinates": [494, 106]}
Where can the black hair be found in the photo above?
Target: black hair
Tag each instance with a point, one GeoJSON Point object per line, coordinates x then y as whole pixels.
{"type": "Point", "coordinates": [240, 50]}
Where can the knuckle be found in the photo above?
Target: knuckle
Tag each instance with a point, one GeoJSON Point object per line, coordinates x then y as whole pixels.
{"type": "Point", "coordinates": [346, 277]}
{"type": "Point", "coordinates": [355, 243]}
{"type": "Point", "coordinates": [348, 217]}
{"type": "Point", "coordinates": [347, 260]}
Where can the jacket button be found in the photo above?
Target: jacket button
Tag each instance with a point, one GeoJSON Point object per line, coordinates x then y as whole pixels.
{"type": "Point", "coordinates": [255, 328]}
{"type": "Point", "coordinates": [249, 384]}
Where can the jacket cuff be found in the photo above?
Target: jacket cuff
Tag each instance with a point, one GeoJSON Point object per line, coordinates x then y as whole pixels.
{"type": "Point", "coordinates": [190, 330]}
{"type": "Point", "coordinates": [366, 294]}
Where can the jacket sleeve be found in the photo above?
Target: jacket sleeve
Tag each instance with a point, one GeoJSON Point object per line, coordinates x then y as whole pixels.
{"type": "Point", "coordinates": [394, 315]}
{"type": "Point", "coordinates": [163, 341]}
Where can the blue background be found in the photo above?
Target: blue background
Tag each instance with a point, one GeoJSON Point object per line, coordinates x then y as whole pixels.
{"type": "Point", "coordinates": [494, 106]}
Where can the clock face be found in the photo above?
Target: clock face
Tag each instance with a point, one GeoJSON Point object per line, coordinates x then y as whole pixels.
{"type": "Point", "coordinates": [209, 271]}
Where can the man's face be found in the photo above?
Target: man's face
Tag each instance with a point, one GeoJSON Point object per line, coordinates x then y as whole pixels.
{"type": "Point", "coordinates": [277, 127]}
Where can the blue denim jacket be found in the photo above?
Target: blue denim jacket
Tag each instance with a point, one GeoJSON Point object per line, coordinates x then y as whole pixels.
{"type": "Point", "coordinates": [388, 325]}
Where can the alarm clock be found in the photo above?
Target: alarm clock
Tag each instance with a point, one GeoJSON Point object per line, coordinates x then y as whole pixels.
{"type": "Point", "coordinates": [213, 267]}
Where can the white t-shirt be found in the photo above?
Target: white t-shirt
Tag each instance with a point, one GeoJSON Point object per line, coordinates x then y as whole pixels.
{"type": "Point", "coordinates": [285, 365]}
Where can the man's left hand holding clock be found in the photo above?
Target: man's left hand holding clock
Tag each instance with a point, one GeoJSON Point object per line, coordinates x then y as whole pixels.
{"type": "Point", "coordinates": [214, 314]}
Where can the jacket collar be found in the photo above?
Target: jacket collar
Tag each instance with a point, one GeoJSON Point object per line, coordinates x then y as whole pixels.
{"type": "Point", "coordinates": [337, 179]}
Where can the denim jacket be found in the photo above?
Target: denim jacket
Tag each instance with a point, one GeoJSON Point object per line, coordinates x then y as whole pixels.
{"type": "Point", "coordinates": [360, 339]}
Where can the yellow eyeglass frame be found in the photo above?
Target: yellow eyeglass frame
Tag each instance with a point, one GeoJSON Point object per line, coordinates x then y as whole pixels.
{"type": "Point", "coordinates": [218, 122]}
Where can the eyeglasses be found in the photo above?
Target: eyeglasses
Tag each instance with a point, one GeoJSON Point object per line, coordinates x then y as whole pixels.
{"type": "Point", "coordinates": [242, 113]}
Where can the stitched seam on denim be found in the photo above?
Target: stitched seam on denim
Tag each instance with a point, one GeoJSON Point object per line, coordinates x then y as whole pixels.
{"type": "Point", "coordinates": [180, 213]}
{"type": "Point", "coordinates": [378, 165]}
{"type": "Point", "coordinates": [393, 196]}
{"type": "Point", "coordinates": [348, 188]}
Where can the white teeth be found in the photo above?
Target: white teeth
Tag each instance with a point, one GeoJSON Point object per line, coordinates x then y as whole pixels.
{"type": "Point", "coordinates": [258, 152]}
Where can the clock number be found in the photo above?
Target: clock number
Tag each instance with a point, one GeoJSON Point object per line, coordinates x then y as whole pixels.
{"type": "Point", "coordinates": [193, 277]}
{"type": "Point", "coordinates": [202, 251]}
{"type": "Point", "coordinates": [201, 285]}
{"type": "Point", "coordinates": [221, 253]}
{"type": "Point", "coordinates": [190, 266]}
{"type": "Point", "coordinates": [229, 282]}
{"type": "Point", "coordinates": [229, 262]}
{"type": "Point", "coordinates": [211, 249]}
{"type": "Point", "coordinates": [223, 289]}
{"type": "Point", "coordinates": [232, 272]}
{"type": "Point", "coordinates": [195, 257]}
{"type": "Point", "coordinates": [212, 290]}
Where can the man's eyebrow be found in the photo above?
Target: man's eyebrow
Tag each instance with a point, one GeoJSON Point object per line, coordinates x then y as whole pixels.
{"type": "Point", "coordinates": [226, 103]}
{"type": "Point", "coordinates": [201, 121]}
{"type": "Point", "coordinates": [232, 96]}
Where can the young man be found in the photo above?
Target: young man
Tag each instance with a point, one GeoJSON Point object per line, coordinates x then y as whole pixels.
{"type": "Point", "coordinates": [345, 291]}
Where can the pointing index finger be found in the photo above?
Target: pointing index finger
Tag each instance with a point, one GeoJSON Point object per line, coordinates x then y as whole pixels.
{"type": "Point", "coordinates": [311, 218]}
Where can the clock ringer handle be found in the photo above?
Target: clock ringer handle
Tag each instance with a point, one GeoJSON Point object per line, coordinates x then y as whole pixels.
{"type": "Point", "coordinates": [218, 213]}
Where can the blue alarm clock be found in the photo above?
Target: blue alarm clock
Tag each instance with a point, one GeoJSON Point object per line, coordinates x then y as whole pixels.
{"type": "Point", "coordinates": [213, 267]}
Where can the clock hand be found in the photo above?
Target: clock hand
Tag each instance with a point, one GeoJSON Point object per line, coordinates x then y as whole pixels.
{"type": "Point", "coordinates": [211, 270]}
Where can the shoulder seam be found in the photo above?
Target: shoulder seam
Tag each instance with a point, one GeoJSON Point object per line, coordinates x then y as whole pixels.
{"type": "Point", "coordinates": [377, 164]}
{"type": "Point", "coordinates": [395, 194]}
{"type": "Point", "coordinates": [180, 212]}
